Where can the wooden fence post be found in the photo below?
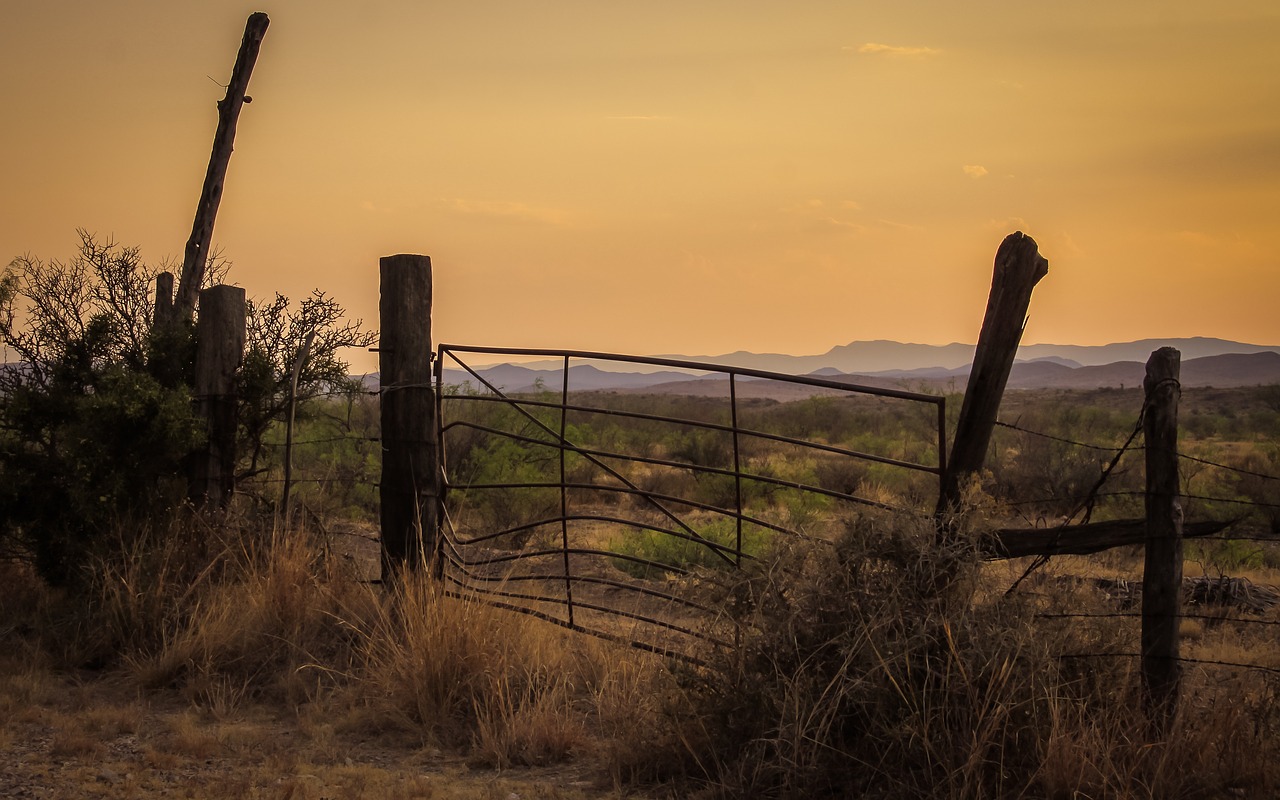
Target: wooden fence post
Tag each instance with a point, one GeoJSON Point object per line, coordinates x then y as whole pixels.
{"type": "Point", "coordinates": [170, 355]}
{"type": "Point", "coordinates": [303, 353]}
{"type": "Point", "coordinates": [410, 467]}
{"type": "Point", "coordinates": [220, 339]}
{"type": "Point", "coordinates": [1162, 576]}
{"type": "Point", "coordinates": [1018, 268]}
{"type": "Point", "coordinates": [164, 300]}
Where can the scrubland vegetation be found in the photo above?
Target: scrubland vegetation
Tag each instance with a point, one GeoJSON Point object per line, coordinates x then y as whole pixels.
{"type": "Point", "coordinates": [148, 649]}
{"type": "Point", "coordinates": [243, 659]}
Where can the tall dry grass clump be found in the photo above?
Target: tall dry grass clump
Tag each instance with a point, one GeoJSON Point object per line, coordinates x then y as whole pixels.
{"type": "Point", "coordinates": [457, 668]}
{"type": "Point", "coordinates": [237, 615]}
{"type": "Point", "coordinates": [880, 666]}
{"type": "Point", "coordinates": [227, 614]}
{"type": "Point", "coordinates": [516, 690]}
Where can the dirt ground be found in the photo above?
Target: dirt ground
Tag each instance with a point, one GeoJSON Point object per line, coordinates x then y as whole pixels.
{"type": "Point", "coordinates": [88, 736]}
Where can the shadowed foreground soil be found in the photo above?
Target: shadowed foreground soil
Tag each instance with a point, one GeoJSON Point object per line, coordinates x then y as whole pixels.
{"type": "Point", "coordinates": [89, 737]}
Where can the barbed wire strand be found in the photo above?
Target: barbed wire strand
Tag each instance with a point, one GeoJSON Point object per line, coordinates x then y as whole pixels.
{"type": "Point", "coordinates": [1073, 498]}
{"type": "Point", "coordinates": [1064, 440]}
{"type": "Point", "coordinates": [330, 440]}
{"type": "Point", "coordinates": [273, 481]}
{"type": "Point", "coordinates": [1138, 615]}
{"type": "Point", "coordinates": [1105, 448]}
{"type": "Point", "coordinates": [1258, 503]}
{"type": "Point", "coordinates": [393, 387]}
{"type": "Point", "coordinates": [1180, 659]}
{"type": "Point", "coordinates": [1229, 468]}
{"type": "Point", "coordinates": [1139, 493]}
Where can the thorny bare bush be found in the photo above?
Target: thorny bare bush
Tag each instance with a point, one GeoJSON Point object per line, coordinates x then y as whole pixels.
{"type": "Point", "coordinates": [276, 333]}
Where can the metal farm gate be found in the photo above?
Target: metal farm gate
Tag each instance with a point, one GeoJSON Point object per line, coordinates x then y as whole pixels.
{"type": "Point", "coordinates": [617, 512]}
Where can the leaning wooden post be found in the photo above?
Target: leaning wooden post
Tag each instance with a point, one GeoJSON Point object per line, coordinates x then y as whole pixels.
{"type": "Point", "coordinates": [220, 339]}
{"type": "Point", "coordinates": [1018, 268]}
{"type": "Point", "coordinates": [410, 483]}
{"type": "Point", "coordinates": [196, 256]}
{"type": "Point", "coordinates": [1162, 577]}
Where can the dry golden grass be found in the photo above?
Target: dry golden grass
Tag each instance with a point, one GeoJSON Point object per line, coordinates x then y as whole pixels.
{"type": "Point", "coordinates": [277, 676]}
{"type": "Point", "coordinates": [267, 673]}
{"type": "Point", "coordinates": [855, 678]}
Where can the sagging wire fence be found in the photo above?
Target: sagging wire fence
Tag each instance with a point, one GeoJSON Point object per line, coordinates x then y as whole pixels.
{"type": "Point", "coordinates": [1045, 486]}
{"type": "Point", "coordinates": [615, 513]}
{"type": "Point", "coordinates": [1239, 481]}
{"type": "Point", "coordinates": [336, 457]}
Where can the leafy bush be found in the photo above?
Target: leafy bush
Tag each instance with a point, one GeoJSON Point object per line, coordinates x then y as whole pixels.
{"type": "Point", "coordinates": [89, 436]}
{"type": "Point", "coordinates": [96, 420]}
{"type": "Point", "coordinates": [1253, 485]}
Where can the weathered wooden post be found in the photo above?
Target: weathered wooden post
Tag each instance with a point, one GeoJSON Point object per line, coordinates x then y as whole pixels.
{"type": "Point", "coordinates": [163, 312]}
{"type": "Point", "coordinates": [196, 256]}
{"type": "Point", "coordinates": [1018, 268]}
{"type": "Point", "coordinates": [170, 352]}
{"type": "Point", "coordinates": [220, 339]}
{"type": "Point", "coordinates": [410, 471]}
{"type": "Point", "coordinates": [1162, 576]}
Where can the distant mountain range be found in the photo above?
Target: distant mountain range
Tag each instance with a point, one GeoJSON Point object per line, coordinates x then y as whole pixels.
{"type": "Point", "coordinates": [1205, 362]}
{"type": "Point", "coordinates": [885, 356]}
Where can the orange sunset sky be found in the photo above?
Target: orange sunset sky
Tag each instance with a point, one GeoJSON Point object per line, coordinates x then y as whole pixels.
{"type": "Point", "coordinates": [678, 177]}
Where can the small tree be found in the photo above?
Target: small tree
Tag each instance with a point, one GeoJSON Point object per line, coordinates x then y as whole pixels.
{"type": "Point", "coordinates": [276, 334]}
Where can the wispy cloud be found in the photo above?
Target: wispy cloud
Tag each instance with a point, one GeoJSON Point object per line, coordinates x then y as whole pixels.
{"type": "Point", "coordinates": [1225, 244]}
{"type": "Point", "coordinates": [816, 216]}
{"type": "Point", "coordinates": [510, 210]}
{"type": "Point", "coordinates": [1198, 238]}
{"type": "Point", "coordinates": [1069, 245]}
{"type": "Point", "coordinates": [901, 226]}
{"type": "Point", "coordinates": [809, 206]}
{"type": "Point", "coordinates": [974, 170]}
{"type": "Point", "coordinates": [1008, 224]}
{"type": "Point", "coordinates": [895, 51]}
{"type": "Point", "coordinates": [840, 225]}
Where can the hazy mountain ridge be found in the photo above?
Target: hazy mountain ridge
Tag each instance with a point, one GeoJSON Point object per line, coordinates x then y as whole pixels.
{"type": "Point", "coordinates": [882, 356]}
{"type": "Point", "coordinates": [1225, 371]}
{"type": "Point", "coordinates": [1206, 362]}
{"type": "Point", "coordinates": [583, 377]}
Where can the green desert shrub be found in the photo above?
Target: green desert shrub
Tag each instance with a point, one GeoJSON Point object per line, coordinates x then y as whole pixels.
{"type": "Point", "coordinates": [669, 553]}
